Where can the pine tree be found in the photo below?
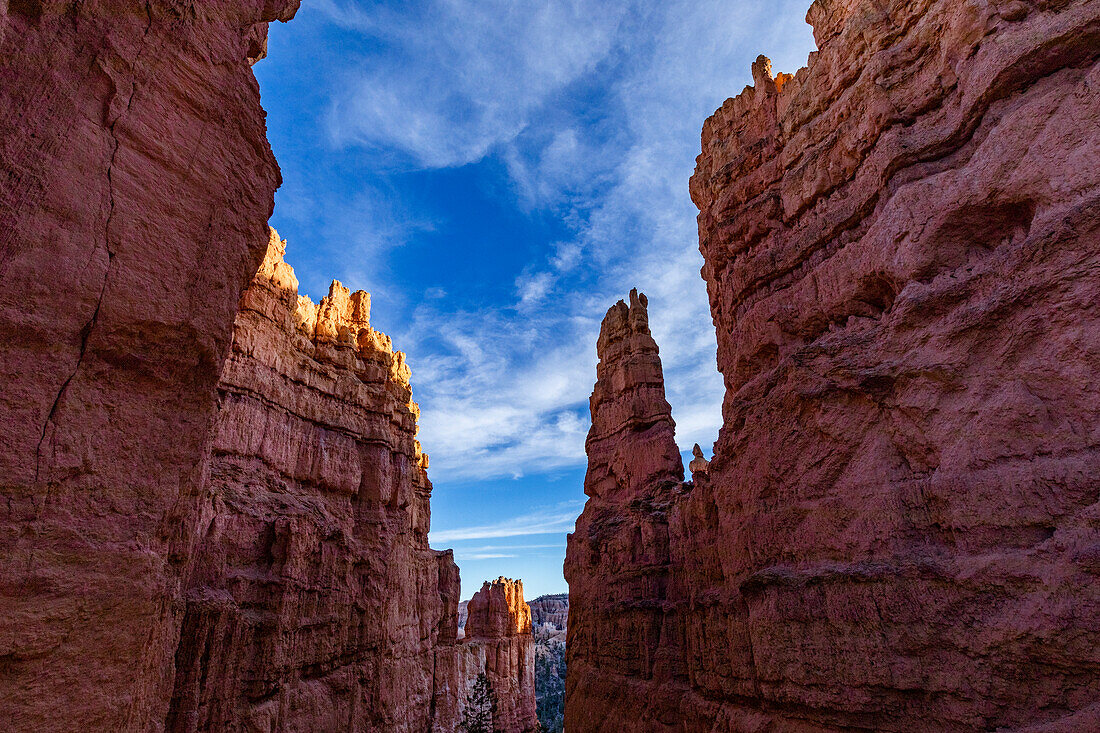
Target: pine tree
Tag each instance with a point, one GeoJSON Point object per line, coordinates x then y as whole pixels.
{"type": "Point", "coordinates": [480, 707]}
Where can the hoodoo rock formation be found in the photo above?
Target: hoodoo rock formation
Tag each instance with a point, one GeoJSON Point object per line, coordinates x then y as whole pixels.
{"type": "Point", "coordinates": [215, 510]}
{"type": "Point", "coordinates": [313, 601]}
{"type": "Point", "coordinates": [899, 528]}
{"type": "Point", "coordinates": [497, 642]}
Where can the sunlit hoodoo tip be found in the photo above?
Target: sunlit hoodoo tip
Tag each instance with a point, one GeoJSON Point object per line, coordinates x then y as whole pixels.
{"type": "Point", "coordinates": [341, 319]}
{"type": "Point", "coordinates": [699, 464]}
{"type": "Point", "coordinates": [498, 610]}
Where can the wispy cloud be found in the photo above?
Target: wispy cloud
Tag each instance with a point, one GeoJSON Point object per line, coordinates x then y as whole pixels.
{"type": "Point", "coordinates": [594, 108]}
{"type": "Point", "coordinates": [546, 521]}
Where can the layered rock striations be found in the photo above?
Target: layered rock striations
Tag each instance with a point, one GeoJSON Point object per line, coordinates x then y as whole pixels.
{"type": "Point", "coordinates": [499, 644]}
{"type": "Point", "coordinates": [135, 177]}
{"type": "Point", "coordinates": [191, 542]}
{"type": "Point", "coordinates": [898, 529]}
{"type": "Point", "coordinates": [549, 615]}
{"type": "Point", "coordinates": [617, 563]}
{"type": "Point", "coordinates": [314, 601]}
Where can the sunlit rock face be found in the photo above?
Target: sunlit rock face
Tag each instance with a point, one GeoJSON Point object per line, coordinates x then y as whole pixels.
{"type": "Point", "coordinates": [498, 643]}
{"type": "Point", "coordinates": [898, 530]}
{"type": "Point", "coordinates": [135, 180]}
{"type": "Point", "coordinates": [314, 601]}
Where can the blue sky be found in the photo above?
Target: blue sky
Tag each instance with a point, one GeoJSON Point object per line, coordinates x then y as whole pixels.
{"type": "Point", "coordinates": [497, 173]}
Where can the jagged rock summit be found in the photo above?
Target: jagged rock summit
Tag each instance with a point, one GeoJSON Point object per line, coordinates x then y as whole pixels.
{"type": "Point", "coordinates": [898, 528]}
{"type": "Point", "coordinates": [314, 525]}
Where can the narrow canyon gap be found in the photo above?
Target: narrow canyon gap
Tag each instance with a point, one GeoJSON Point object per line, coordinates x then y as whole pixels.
{"type": "Point", "coordinates": [900, 527]}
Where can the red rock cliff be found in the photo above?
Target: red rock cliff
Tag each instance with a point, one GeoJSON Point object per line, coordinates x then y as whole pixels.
{"type": "Point", "coordinates": [135, 180]}
{"type": "Point", "coordinates": [898, 528]}
{"type": "Point", "coordinates": [188, 542]}
{"type": "Point", "coordinates": [314, 601]}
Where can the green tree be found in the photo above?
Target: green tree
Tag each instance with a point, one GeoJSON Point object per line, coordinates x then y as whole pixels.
{"type": "Point", "coordinates": [481, 708]}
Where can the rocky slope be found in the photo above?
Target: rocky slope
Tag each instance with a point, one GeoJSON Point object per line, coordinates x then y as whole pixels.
{"type": "Point", "coordinates": [899, 528]}
{"type": "Point", "coordinates": [189, 541]}
{"type": "Point", "coordinates": [135, 180]}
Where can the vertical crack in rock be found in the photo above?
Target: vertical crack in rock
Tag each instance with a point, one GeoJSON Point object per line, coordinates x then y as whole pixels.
{"type": "Point", "coordinates": [110, 376]}
{"type": "Point", "coordinates": [86, 331]}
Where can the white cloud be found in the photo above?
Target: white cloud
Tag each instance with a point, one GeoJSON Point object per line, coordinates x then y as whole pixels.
{"type": "Point", "coordinates": [504, 390]}
{"type": "Point", "coordinates": [462, 76]}
{"type": "Point", "coordinates": [546, 521]}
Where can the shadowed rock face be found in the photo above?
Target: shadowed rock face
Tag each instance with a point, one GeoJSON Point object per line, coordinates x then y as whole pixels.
{"type": "Point", "coordinates": [548, 626]}
{"type": "Point", "coordinates": [191, 543]}
{"type": "Point", "coordinates": [898, 529]}
{"type": "Point", "coordinates": [135, 180]}
{"type": "Point", "coordinates": [550, 611]}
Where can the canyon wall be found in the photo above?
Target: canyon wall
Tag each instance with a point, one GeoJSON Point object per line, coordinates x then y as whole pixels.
{"type": "Point", "coordinates": [313, 600]}
{"type": "Point", "coordinates": [899, 529]}
{"type": "Point", "coordinates": [215, 510]}
{"type": "Point", "coordinates": [135, 180]}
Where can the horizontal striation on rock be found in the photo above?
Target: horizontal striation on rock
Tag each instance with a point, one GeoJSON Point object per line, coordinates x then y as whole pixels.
{"type": "Point", "coordinates": [498, 643]}
{"type": "Point", "coordinates": [215, 507]}
{"type": "Point", "coordinates": [898, 528]}
{"type": "Point", "coordinates": [314, 601]}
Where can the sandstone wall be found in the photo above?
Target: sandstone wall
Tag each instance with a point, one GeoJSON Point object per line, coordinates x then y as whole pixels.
{"type": "Point", "coordinates": [191, 543]}
{"type": "Point", "coordinates": [314, 601]}
{"type": "Point", "coordinates": [135, 180]}
{"type": "Point", "coordinates": [899, 528]}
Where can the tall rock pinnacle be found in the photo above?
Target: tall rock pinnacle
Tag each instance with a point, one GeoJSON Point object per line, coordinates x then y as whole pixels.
{"type": "Point", "coordinates": [631, 446]}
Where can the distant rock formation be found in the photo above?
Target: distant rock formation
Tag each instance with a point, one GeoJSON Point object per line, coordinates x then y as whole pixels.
{"type": "Point", "coordinates": [498, 642]}
{"type": "Point", "coordinates": [549, 617]}
{"type": "Point", "coordinates": [498, 610]}
{"type": "Point", "coordinates": [897, 530]}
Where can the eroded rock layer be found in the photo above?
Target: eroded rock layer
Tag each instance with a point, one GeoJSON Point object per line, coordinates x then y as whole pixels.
{"type": "Point", "coordinates": [189, 543]}
{"type": "Point", "coordinates": [314, 601]}
{"type": "Point", "coordinates": [135, 180]}
{"type": "Point", "coordinates": [899, 529]}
